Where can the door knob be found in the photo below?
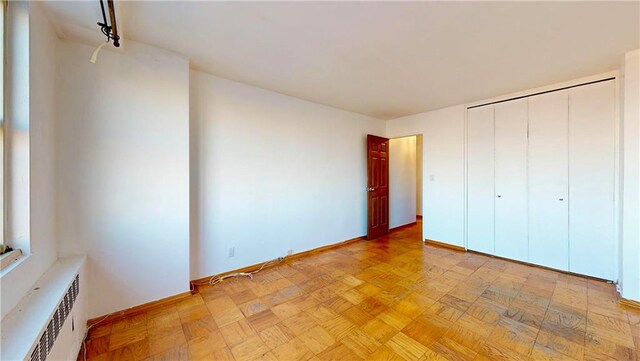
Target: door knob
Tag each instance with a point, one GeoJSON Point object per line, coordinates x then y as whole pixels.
{"type": "Point", "coordinates": [561, 199]}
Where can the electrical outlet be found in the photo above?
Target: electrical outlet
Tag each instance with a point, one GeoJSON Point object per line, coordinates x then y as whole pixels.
{"type": "Point", "coordinates": [289, 252]}
{"type": "Point", "coordinates": [232, 252]}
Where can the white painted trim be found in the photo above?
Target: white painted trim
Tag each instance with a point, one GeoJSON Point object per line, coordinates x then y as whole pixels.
{"type": "Point", "coordinates": [465, 230]}
{"type": "Point", "coordinates": [9, 258]}
{"type": "Point", "coordinates": [617, 169]}
{"type": "Point", "coordinates": [551, 87]}
{"type": "Point", "coordinates": [617, 147]}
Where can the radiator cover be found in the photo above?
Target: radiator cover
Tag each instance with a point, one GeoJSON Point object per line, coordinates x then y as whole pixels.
{"type": "Point", "coordinates": [50, 334]}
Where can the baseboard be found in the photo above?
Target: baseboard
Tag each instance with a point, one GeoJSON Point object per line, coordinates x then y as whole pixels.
{"type": "Point", "coordinates": [630, 303]}
{"type": "Point", "coordinates": [139, 309]}
{"type": "Point", "coordinates": [179, 297]}
{"type": "Point", "coordinates": [543, 267]}
{"type": "Point", "coordinates": [325, 248]}
{"type": "Point", "coordinates": [205, 280]}
{"type": "Point", "coordinates": [255, 267]}
{"type": "Point", "coordinates": [431, 242]}
{"type": "Point", "coordinates": [395, 229]}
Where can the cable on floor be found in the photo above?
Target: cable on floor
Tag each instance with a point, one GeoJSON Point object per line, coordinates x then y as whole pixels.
{"type": "Point", "coordinates": [86, 334]}
{"type": "Point", "coordinates": [217, 278]}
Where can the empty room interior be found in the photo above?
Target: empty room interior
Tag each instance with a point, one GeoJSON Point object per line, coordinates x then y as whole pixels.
{"type": "Point", "coordinates": [320, 180]}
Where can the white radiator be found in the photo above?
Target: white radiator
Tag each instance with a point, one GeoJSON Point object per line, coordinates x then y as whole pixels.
{"type": "Point", "coordinates": [50, 334]}
{"type": "Point", "coordinates": [49, 322]}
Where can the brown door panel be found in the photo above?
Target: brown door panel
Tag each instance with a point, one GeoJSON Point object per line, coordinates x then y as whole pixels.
{"type": "Point", "coordinates": [377, 186]}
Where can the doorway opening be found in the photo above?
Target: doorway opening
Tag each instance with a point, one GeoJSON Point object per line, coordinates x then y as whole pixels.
{"type": "Point", "coordinates": [405, 181]}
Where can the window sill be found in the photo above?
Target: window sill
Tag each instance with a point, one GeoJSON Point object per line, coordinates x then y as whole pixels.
{"type": "Point", "coordinates": [6, 269]}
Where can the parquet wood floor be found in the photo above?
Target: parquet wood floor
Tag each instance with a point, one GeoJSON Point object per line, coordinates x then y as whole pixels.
{"type": "Point", "coordinates": [389, 299]}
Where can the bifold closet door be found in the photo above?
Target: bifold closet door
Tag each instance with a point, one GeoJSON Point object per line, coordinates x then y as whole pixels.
{"type": "Point", "coordinates": [592, 245]}
{"type": "Point", "coordinates": [549, 180]}
{"type": "Point", "coordinates": [511, 179]}
{"type": "Point", "coordinates": [480, 179]}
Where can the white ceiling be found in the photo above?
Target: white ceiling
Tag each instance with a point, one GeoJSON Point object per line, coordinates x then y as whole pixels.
{"type": "Point", "coordinates": [384, 59]}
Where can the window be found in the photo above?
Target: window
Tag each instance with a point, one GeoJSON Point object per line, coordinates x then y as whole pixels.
{"type": "Point", "coordinates": [8, 256]}
{"type": "Point", "coordinates": [2, 116]}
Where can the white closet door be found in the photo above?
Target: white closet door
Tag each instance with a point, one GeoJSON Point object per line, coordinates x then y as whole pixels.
{"type": "Point", "coordinates": [480, 176]}
{"type": "Point", "coordinates": [592, 245]}
{"type": "Point", "coordinates": [548, 180]}
{"type": "Point", "coordinates": [511, 180]}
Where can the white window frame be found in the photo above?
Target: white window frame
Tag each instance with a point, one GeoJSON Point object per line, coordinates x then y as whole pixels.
{"type": "Point", "coordinates": [14, 197]}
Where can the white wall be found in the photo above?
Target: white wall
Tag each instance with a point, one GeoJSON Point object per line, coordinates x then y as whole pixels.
{"type": "Point", "coordinates": [419, 175]}
{"type": "Point", "coordinates": [443, 168]}
{"type": "Point", "coordinates": [123, 171]}
{"type": "Point", "coordinates": [41, 112]}
{"type": "Point", "coordinates": [630, 247]}
{"type": "Point", "coordinates": [271, 173]}
{"type": "Point", "coordinates": [402, 181]}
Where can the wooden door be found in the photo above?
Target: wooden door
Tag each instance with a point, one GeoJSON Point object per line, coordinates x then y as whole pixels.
{"type": "Point", "coordinates": [480, 179]}
{"type": "Point", "coordinates": [377, 186]}
{"type": "Point", "coordinates": [511, 180]}
{"type": "Point", "coordinates": [592, 241]}
{"type": "Point", "coordinates": [549, 180]}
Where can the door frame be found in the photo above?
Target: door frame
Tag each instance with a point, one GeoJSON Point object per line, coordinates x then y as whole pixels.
{"type": "Point", "coordinates": [422, 135]}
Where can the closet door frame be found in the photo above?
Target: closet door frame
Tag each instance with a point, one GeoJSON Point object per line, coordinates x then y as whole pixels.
{"type": "Point", "coordinates": [617, 180]}
{"type": "Point", "coordinates": [555, 87]}
{"type": "Point", "coordinates": [592, 186]}
{"type": "Point", "coordinates": [488, 109]}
